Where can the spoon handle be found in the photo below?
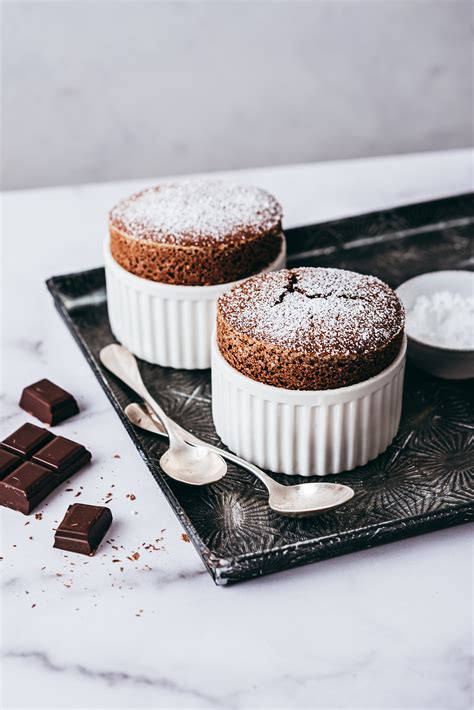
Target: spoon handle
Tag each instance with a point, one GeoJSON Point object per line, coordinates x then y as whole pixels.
{"type": "Point", "coordinates": [123, 365]}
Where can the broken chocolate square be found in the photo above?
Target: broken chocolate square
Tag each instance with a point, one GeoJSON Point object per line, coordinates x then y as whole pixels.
{"type": "Point", "coordinates": [26, 486]}
{"type": "Point", "coordinates": [48, 402]}
{"type": "Point", "coordinates": [8, 462]}
{"type": "Point", "coordinates": [83, 528]}
{"type": "Point", "coordinates": [26, 440]}
{"type": "Point", "coordinates": [61, 453]}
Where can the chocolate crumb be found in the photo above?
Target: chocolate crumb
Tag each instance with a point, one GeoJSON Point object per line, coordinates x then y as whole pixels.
{"type": "Point", "coordinates": [77, 494]}
{"type": "Point", "coordinates": [116, 456]}
{"type": "Point", "coordinates": [39, 516]}
{"type": "Point", "coordinates": [185, 537]}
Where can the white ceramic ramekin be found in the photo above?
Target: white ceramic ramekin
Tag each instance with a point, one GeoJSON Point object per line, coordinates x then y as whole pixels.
{"type": "Point", "coordinates": [165, 324]}
{"type": "Point", "coordinates": [448, 361]}
{"type": "Point", "coordinates": [306, 433]}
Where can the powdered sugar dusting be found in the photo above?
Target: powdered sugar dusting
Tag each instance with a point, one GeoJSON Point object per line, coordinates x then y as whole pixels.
{"type": "Point", "coordinates": [197, 211]}
{"type": "Point", "coordinates": [328, 312]}
{"type": "Point", "coordinates": [443, 319]}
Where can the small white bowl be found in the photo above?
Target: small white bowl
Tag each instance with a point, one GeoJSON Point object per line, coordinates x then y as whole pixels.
{"type": "Point", "coordinates": [452, 363]}
{"type": "Point", "coordinates": [165, 324]}
{"type": "Point", "coordinates": [306, 433]}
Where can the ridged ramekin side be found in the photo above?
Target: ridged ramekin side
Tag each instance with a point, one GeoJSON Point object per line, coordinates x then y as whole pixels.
{"type": "Point", "coordinates": [165, 324]}
{"type": "Point", "coordinates": [165, 331]}
{"type": "Point", "coordinates": [306, 433]}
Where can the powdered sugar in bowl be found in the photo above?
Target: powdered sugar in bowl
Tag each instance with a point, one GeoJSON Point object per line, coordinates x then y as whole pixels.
{"type": "Point", "coordinates": [440, 322]}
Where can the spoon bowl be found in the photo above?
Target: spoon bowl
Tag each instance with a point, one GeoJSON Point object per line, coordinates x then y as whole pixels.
{"type": "Point", "coordinates": [304, 499]}
{"type": "Point", "coordinates": [194, 465]}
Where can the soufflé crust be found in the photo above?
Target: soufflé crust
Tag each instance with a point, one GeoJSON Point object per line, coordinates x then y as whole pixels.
{"type": "Point", "coordinates": [196, 232]}
{"type": "Point", "coordinates": [310, 328]}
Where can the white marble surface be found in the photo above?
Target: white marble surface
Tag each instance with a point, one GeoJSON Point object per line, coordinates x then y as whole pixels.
{"type": "Point", "coordinates": [384, 628]}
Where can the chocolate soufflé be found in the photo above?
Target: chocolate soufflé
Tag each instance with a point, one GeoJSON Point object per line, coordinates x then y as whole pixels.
{"type": "Point", "coordinates": [310, 328]}
{"type": "Point", "coordinates": [196, 232]}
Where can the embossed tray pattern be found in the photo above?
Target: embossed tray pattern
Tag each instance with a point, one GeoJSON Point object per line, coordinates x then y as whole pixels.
{"type": "Point", "coordinates": [423, 482]}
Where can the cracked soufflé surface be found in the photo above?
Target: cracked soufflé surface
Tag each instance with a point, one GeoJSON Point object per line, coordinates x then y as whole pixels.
{"type": "Point", "coordinates": [310, 328]}
{"type": "Point", "coordinates": [196, 232]}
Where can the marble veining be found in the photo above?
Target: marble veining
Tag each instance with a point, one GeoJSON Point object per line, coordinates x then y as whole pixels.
{"type": "Point", "coordinates": [112, 677]}
{"type": "Point", "coordinates": [379, 629]}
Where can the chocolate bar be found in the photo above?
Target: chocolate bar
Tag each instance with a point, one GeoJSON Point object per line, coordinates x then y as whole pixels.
{"type": "Point", "coordinates": [33, 462]}
{"type": "Point", "coordinates": [48, 402]}
{"type": "Point", "coordinates": [83, 528]}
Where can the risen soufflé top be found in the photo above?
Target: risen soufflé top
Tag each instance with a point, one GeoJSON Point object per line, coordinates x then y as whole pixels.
{"type": "Point", "coordinates": [197, 212]}
{"type": "Point", "coordinates": [310, 328]}
{"type": "Point", "coordinates": [196, 231]}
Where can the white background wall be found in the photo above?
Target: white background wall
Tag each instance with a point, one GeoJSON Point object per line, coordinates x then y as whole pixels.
{"type": "Point", "coordinates": [108, 89]}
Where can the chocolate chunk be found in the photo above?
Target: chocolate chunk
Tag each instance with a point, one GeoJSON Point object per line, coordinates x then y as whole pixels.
{"type": "Point", "coordinates": [25, 483]}
{"type": "Point", "coordinates": [48, 402]}
{"type": "Point", "coordinates": [8, 462]}
{"type": "Point", "coordinates": [83, 528]}
{"type": "Point", "coordinates": [26, 440]}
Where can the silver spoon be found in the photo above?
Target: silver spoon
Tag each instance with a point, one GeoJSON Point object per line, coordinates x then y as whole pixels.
{"type": "Point", "coordinates": [297, 501]}
{"type": "Point", "coordinates": [196, 465]}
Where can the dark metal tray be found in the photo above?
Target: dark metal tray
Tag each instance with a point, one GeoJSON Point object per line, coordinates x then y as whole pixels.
{"type": "Point", "coordinates": [423, 482]}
